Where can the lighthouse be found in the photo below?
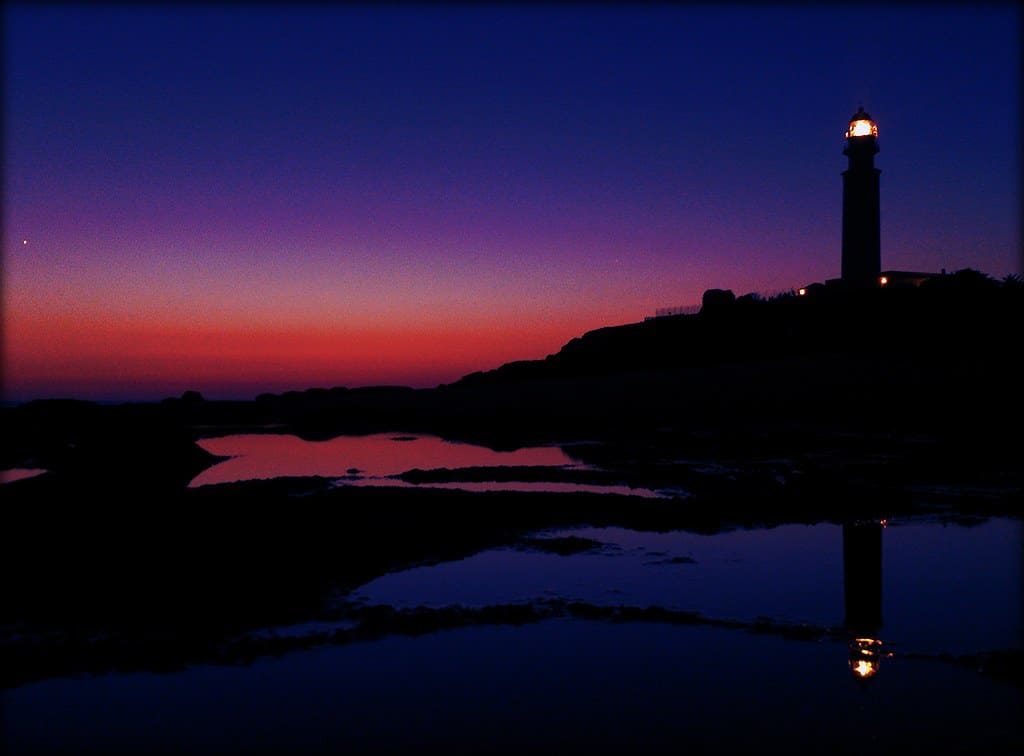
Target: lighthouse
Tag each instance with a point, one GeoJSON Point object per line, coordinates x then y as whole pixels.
{"type": "Point", "coordinates": [862, 588]}
{"type": "Point", "coordinates": [862, 259]}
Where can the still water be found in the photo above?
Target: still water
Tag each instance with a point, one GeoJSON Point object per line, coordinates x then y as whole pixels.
{"type": "Point", "coordinates": [375, 460]}
{"type": "Point", "coordinates": [943, 587]}
{"type": "Point", "coordinates": [560, 686]}
{"type": "Point", "coordinates": [19, 473]}
{"type": "Point", "coordinates": [922, 585]}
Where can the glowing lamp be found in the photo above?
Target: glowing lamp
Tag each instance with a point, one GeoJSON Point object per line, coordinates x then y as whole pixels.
{"type": "Point", "coordinates": [883, 280]}
{"type": "Point", "coordinates": [861, 125]}
{"type": "Point", "coordinates": [802, 292]}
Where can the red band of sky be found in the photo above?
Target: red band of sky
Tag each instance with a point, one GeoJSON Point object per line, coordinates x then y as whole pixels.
{"type": "Point", "coordinates": [238, 200]}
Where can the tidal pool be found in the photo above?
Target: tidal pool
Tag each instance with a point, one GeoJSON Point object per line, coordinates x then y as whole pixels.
{"type": "Point", "coordinates": [920, 585]}
{"type": "Point", "coordinates": [19, 473]}
{"type": "Point", "coordinates": [562, 686]}
{"type": "Point", "coordinates": [375, 459]}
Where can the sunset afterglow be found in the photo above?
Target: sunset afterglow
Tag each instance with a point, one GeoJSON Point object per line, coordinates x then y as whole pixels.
{"type": "Point", "coordinates": [238, 199]}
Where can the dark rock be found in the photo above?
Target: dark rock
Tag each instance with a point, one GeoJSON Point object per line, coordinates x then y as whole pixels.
{"type": "Point", "coordinates": [564, 546]}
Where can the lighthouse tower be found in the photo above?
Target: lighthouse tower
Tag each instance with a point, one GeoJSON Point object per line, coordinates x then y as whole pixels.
{"type": "Point", "coordinates": [862, 259]}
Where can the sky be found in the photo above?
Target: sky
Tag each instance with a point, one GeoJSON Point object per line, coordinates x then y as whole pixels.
{"type": "Point", "coordinates": [245, 198]}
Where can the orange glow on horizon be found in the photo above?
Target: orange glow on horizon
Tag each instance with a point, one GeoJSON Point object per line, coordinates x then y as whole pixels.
{"type": "Point", "coordinates": [90, 352]}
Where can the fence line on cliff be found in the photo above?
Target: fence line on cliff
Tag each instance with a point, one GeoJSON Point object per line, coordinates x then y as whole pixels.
{"type": "Point", "coordinates": [664, 312]}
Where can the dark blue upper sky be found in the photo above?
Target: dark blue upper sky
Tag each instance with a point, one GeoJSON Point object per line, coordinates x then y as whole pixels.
{"type": "Point", "coordinates": [525, 165]}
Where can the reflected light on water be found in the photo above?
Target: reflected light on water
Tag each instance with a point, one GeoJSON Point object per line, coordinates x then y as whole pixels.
{"type": "Point", "coordinates": [256, 456]}
{"type": "Point", "coordinates": [19, 473]}
{"type": "Point", "coordinates": [865, 668]}
{"type": "Point", "coordinates": [541, 486]}
{"type": "Point", "coordinates": [865, 657]}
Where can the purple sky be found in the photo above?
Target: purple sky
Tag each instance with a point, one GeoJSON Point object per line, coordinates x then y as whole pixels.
{"type": "Point", "coordinates": [247, 198]}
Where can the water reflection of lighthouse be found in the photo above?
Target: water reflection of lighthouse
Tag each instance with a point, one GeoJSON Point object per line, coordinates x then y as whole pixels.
{"type": "Point", "coordinates": [862, 583]}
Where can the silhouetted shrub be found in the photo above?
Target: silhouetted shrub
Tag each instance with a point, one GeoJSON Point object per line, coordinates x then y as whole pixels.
{"type": "Point", "coordinates": [964, 282]}
{"type": "Point", "coordinates": [1013, 282]}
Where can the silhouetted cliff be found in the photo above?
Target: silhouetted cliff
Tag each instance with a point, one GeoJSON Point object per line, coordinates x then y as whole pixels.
{"type": "Point", "coordinates": [953, 316]}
